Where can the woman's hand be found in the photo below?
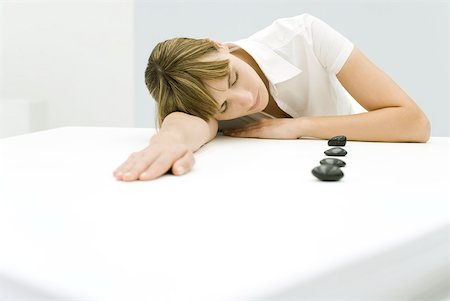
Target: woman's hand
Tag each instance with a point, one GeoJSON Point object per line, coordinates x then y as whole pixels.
{"type": "Point", "coordinates": [279, 128]}
{"type": "Point", "coordinates": [155, 160]}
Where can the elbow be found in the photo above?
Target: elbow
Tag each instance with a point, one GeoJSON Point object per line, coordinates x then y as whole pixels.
{"type": "Point", "coordinates": [421, 127]}
{"type": "Point", "coordinates": [426, 129]}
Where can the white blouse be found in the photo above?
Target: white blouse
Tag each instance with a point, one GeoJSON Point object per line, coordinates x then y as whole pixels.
{"type": "Point", "coordinates": [300, 56]}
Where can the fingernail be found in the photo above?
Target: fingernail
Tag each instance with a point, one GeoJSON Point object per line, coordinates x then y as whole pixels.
{"type": "Point", "coordinates": [180, 170]}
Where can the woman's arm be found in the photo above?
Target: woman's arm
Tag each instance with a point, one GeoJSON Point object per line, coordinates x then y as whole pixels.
{"type": "Point", "coordinates": [392, 115]}
{"type": "Point", "coordinates": [190, 130]}
{"type": "Point", "coordinates": [171, 148]}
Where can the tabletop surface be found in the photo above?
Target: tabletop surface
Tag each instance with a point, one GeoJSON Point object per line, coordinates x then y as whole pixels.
{"type": "Point", "coordinates": [249, 221]}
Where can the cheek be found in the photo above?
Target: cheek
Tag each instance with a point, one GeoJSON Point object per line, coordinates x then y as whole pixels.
{"type": "Point", "coordinates": [255, 79]}
{"type": "Point", "coordinates": [251, 82]}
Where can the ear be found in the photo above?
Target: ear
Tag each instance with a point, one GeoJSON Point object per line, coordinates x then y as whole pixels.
{"type": "Point", "coordinates": [221, 46]}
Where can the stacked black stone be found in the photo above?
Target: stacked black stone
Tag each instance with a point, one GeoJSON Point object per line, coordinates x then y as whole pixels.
{"type": "Point", "coordinates": [336, 151]}
{"type": "Point", "coordinates": [333, 161]}
{"type": "Point", "coordinates": [330, 168]}
{"type": "Point", "coordinates": [337, 141]}
{"type": "Point", "coordinates": [327, 172]}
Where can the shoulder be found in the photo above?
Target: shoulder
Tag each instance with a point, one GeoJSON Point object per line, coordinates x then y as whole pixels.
{"type": "Point", "coordinates": [295, 22]}
{"type": "Point", "coordinates": [283, 30]}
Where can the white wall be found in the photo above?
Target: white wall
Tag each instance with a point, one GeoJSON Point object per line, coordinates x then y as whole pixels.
{"type": "Point", "coordinates": [409, 39]}
{"type": "Point", "coordinates": [81, 62]}
{"type": "Point", "coordinates": [74, 57]}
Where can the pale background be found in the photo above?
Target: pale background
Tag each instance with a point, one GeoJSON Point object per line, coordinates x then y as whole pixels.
{"type": "Point", "coordinates": [82, 62]}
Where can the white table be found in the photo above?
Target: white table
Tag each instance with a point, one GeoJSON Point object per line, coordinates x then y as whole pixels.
{"type": "Point", "coordinates": [250, 222]}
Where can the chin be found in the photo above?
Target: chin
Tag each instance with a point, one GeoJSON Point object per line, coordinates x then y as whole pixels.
{"type": "Point", "coordinates": [264, 102]}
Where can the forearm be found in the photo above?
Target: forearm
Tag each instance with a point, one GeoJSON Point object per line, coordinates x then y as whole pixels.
{"type": "Point", "coordinates": [393, 124]}
{"type": "Point", "coordinates": [187, 129]}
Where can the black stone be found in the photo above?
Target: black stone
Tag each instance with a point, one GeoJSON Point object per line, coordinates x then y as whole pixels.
{"type": "Point", "coordinates": [336, 151]}
{"type": "Point", "coordinates": [327, 172]}
{"type": "Point", "coordinates": [337, 141]}
{"type": "Point", "coordinates": [333, 161]}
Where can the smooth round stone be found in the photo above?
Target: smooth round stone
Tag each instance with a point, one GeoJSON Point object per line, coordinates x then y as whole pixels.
{"type": "Point", "coordinates": [336, 151]}
{"type": "Point", "coordinates": [333, 161]}
{"type": "Point", "coordinates": [327, 172]}
{"type": "Point", "coordinates": [337, 141]}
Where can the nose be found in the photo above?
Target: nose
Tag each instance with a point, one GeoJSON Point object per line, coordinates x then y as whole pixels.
{"type": "Point", "coordinates": [243, 98]}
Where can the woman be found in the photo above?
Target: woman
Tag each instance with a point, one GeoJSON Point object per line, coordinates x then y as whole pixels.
{"type": "Point", "coordinates": [295, 78]}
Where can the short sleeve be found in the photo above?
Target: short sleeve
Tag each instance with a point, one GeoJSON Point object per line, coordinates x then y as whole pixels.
{"type": "Point", "coordinates": [331, 48]}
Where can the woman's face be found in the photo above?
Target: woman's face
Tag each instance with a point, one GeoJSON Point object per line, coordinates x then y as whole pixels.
{"type": "Point", "coordinates": [240, 94]}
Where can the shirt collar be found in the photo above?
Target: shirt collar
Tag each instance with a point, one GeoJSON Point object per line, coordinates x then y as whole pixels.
{"type": "Point", "coordinates": [274, 67]}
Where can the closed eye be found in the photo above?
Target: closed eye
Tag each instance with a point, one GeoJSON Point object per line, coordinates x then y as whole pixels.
{"type": "Point", "coordinates": [235, 81]}
{"type": "Point", "coordinates": [224, 107]}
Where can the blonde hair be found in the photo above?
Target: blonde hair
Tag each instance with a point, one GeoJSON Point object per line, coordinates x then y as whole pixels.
{"type": "Point", "coordinates": [175, 75]}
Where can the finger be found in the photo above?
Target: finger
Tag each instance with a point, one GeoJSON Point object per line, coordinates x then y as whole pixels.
{"type": "Point", "coordinates": [245, 127]}
{"type": "Point", "coordinates": [252, 129]}
{"type": "Point", "coordinates": [125, 166]}
{"type": "Point", "coordinates": [162, 164]}
{"type": "Point", "coordinates": [247, 133]}
{"type": "Point", "coordinates": [184, 164]}
{"type": "Point", "coordinates": [138, 164]}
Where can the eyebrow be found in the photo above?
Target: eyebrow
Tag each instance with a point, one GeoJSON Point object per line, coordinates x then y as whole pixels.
{"type": "Point", "coordinates": [229, 85]}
